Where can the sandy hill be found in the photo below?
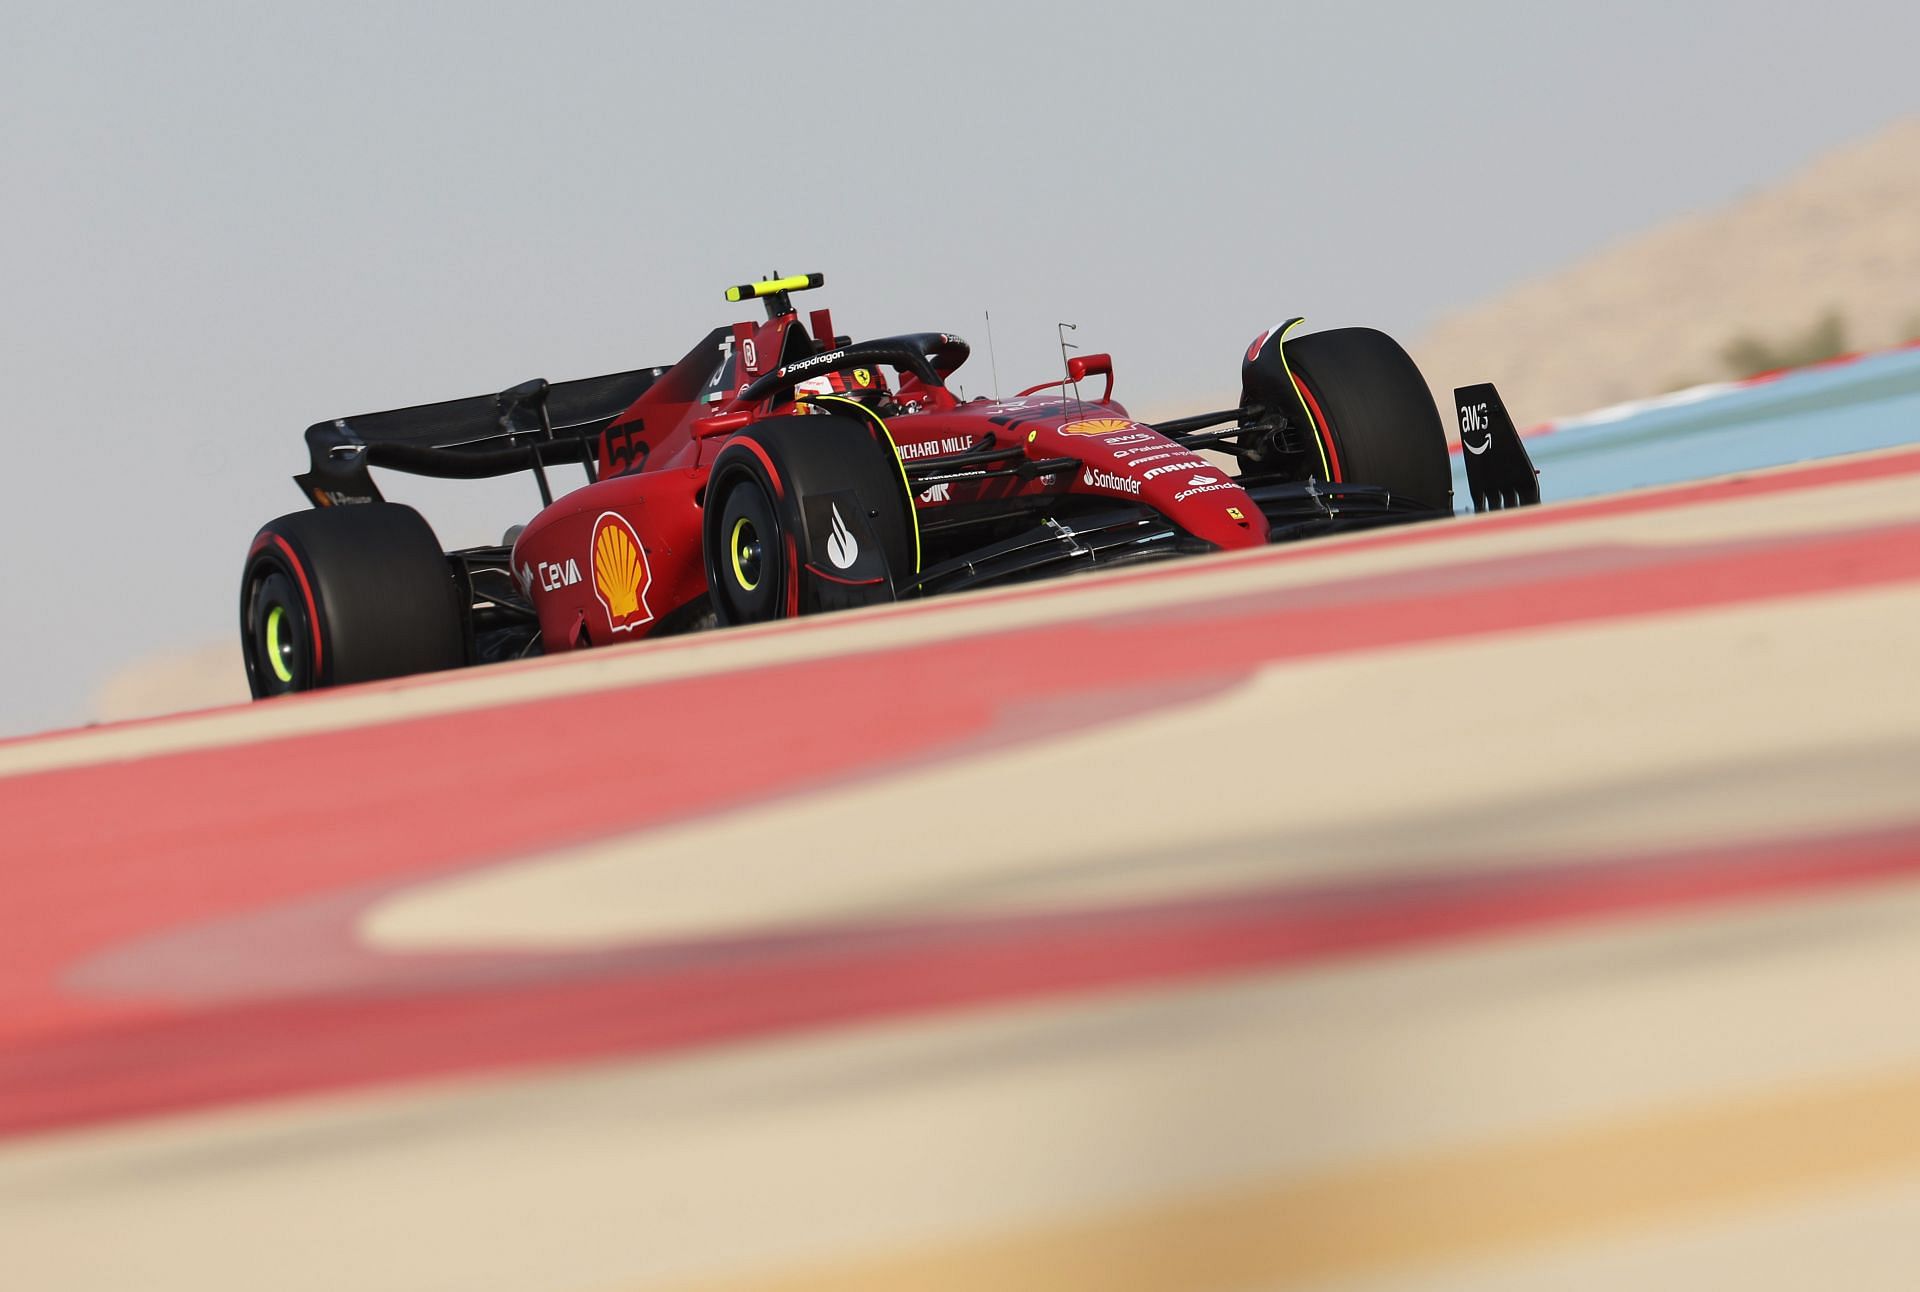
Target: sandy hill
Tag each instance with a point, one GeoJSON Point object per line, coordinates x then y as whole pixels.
{"type": "Point", "coordinates": [1656, 310]}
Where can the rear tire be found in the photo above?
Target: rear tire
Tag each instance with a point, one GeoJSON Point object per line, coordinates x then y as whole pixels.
{"type": "Point", "coordinates": [1378, 411]}
{"type": "Point", "coordinates": [348, 594]}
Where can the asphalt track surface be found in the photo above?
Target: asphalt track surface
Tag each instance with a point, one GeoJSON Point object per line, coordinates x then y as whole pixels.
{"type": "Point", "coordinates": [1525, 900]}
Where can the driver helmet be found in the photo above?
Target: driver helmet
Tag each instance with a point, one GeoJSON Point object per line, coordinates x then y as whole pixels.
{"type": "Point", "coordinates": [864, 384]}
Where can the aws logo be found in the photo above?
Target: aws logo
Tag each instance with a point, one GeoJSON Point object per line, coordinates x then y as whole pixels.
{"type": "Point", "coordinates": [1473, 419]}
{"type": "Point", "coordinates": [1097, 426]}
{"type": "Point", "coordinates": [621, 575]}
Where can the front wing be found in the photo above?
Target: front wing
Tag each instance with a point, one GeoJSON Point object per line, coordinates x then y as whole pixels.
{"type": "Point", "coordinates": [1129, 533]}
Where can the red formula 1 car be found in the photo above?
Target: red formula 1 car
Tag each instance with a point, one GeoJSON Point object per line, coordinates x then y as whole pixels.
{"type": "Point", "coordinates": [776, 470]}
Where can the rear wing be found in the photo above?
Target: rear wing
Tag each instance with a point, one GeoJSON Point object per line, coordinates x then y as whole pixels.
{"type": "Point", "coordinates": [521, 429]}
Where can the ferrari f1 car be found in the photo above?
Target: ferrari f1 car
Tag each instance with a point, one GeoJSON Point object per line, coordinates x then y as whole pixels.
{"type": "Point", "coordinates": [777, 471]}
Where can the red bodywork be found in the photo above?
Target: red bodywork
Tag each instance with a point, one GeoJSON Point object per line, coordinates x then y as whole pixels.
{"type": "Point", "coordinates": [615, 559]}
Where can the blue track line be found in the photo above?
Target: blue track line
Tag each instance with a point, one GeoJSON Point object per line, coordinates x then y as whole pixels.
{"type": "Point", "coordinates": [1872, 403]}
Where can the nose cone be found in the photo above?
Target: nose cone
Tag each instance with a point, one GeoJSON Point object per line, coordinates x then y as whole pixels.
{"type": "Point", "coordinates": [1207, 503]}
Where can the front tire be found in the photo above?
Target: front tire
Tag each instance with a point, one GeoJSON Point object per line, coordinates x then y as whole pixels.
{"type": "Point", "coordinates": [748, 571]}
{"type": "Point", "coordinates": [1369, 399]}
{"type": "Point", "coordinates": [349, 594]}
{"type": "Point", "coordinates": [804, 515]}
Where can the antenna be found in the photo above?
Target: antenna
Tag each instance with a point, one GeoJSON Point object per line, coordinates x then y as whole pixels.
{"type": "Point", "coordinates": [988, 314]}
{"type": "Point", "coordinates": [1063, 329]}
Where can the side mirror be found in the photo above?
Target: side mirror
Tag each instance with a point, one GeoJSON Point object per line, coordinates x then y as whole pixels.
{"type": "Point", "coordinates": [721, 424]}
{"type": "Point", "coordinates": [1082, 366]}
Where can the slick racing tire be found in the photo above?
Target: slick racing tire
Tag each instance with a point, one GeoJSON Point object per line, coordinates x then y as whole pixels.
{"type": "Point", "coordinates": [347, 594]}
{"type": "Point", "coordinates": [1376, 413]}
{"type": "Point", "coordinates": [807, 514]}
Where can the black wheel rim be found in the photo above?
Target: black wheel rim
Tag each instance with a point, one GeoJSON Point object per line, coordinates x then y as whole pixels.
{"type": "Point", "coordinates": [744, 554]}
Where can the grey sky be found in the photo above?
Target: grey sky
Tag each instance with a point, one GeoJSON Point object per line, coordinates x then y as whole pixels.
{"type": "Point", "coordinates": [223, 222]}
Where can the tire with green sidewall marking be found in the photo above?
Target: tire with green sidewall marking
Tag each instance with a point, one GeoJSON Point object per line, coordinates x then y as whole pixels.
{"type": "Point", "coordinates": [756, 536]}
{"type": "Point", "coordinates": [347, 594]}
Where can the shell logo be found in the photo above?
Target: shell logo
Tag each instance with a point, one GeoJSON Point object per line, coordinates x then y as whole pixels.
{"type": "Point", "coordinates": [1097, 426]}
{"type": "Point", "coordinates": [621, 575]}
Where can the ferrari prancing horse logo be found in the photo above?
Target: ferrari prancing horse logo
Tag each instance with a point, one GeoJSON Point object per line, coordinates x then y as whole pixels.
{"type": "Point", "coordinates": [621, 575]}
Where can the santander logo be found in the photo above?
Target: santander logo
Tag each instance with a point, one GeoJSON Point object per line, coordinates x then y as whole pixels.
{"type": "Point", "coordinates": [1099, 479]}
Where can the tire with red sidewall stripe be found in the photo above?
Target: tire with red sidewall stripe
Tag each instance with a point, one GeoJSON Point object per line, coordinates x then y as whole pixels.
{"type": "Point", "coordinates": [766, 527]}
{"type": "Point", "coordinates": [348, 594]}
{"type": "Point", "coordinates": [1365, 393]}
{"type": "Point", "coordinates": [751, 559]}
